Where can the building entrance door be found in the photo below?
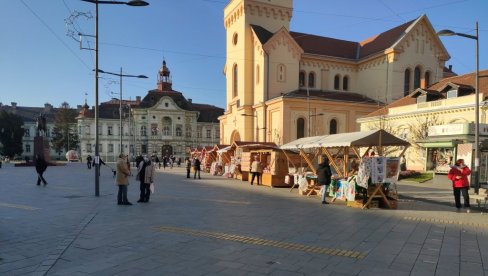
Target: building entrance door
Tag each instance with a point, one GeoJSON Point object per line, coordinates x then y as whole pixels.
{"type": "Point", "coordinates": [167, 150]}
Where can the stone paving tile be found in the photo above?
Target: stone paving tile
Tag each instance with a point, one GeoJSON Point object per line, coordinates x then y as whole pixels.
{"type": "Point", "coordinates": [81, 231]}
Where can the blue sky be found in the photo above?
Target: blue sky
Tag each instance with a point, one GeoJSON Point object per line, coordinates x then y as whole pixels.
{"type": "Point", "coordinates": [39, 63]}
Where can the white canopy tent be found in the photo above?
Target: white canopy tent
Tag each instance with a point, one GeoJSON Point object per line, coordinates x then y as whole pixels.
{"type": "Point", "coordinates": [345, 142]}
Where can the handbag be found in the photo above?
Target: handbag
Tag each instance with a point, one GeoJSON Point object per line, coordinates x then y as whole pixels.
{"type": "Point", "coordinates": [151, 188]}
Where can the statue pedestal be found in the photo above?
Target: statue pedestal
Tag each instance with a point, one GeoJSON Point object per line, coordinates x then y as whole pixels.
{"type": "Point", "coordinates": [41, 147]}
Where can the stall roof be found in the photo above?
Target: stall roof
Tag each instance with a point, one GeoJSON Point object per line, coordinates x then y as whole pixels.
{"type": "Point", "coordinates": [352, 139]}
{"type": "Point", "coordinates": [300, 143]}
{"type": "Point", "coordinates": [222, 150]}
{"type": "Point", "coordinates": [254, 145]}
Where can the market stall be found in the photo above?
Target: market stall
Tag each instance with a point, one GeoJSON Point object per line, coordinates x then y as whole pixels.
{"type": "Point", "coordinates": [242, 156]}
{"type": "Point", "coordinates": [219, 156]}
{"type": "Point", "coordinates": [273, 162]}
{"type": "Point", "coordinates": [207, 157]}
{"type": "Point", "coordinates": [377, 175]}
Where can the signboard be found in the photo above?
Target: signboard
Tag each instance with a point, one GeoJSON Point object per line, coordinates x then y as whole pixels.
{"type": "Point", "coordinates": [457, 129]}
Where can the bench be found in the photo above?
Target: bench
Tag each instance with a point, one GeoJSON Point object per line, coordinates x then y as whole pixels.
{"type": "Point", "coordinates": [482, 196]}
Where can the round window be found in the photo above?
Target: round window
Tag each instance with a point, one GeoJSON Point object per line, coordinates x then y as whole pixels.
{"type": "Point", "coordinates": [234, 39]}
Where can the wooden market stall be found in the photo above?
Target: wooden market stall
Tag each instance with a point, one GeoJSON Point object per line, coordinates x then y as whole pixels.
{"type": "Point", "coordinates": [242, 156]}
{"type": "Point", "coordinates": [220, 158]}
{"type": "Point", "coordinates": [274, 164]}
{"type": "Point", "coordinates": [207, 157]}
{"type": "Point", "coordinates": [341, 149]}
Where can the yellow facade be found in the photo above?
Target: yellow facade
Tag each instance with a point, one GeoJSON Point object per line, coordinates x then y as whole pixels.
{"type": "Point", "coordinates": [264, 60]}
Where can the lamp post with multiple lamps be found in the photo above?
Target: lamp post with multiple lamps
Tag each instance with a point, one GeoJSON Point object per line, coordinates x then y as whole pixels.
{"type": "Point", "coordinates": [134, 3]}
{"type": "Point", "coordinates": [120, 99]}
{"type": "Point", "coordinates": [315, 122]}
{"type": "Point", "coordinates": [477, 103]}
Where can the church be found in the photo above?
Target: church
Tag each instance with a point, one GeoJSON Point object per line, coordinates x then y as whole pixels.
{"type": "Point", "coordinates": [283, 85]}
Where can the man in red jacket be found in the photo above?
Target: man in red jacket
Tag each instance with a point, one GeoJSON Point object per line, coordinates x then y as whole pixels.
{"type": "Point", "coordinates": [459, 176]}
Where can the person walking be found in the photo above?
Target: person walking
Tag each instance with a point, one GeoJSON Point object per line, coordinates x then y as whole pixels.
{"type": "Point", "coordinates": [146, 177]}
{"type": "Point", "coordinates": [324, 176]}
{"type": "Point", "coordinates": [196, 168]}
{"type": "Point", "coordinates": [460, 184]}
{"type": "Point", "coordinates": [188, 167]}
{"type": "Point", "coordinates": [89, 161]}
{"type": "Point", "coordinates": [41, 166]}
{"type": "Point", "coordinates": [256, 170]}
{"type": "Point", "coordinates": [122, 180]}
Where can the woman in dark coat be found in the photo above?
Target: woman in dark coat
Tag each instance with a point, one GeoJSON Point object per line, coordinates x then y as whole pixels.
{"type": "Point", "coordinates": [41, 166]}
{"type": "Point", "coordinates": [324, 175]}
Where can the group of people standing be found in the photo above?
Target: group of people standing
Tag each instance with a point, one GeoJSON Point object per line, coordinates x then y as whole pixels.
{"type": "Point", "coordinates": [145, 175]}
{"type": "Point", "coordinates": [195, 164]}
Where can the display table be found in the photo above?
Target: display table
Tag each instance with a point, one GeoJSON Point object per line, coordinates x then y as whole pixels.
{"type": "Point", "coordinates": [376, 191]}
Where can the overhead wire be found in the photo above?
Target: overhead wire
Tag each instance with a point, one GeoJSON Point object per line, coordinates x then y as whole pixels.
{"type": "Point", "coordinates": [79, 27]}
{"type": "Point", "coordinates": [53, 33]}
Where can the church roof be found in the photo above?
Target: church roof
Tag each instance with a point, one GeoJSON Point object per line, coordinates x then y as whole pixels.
{"type": "Point", "coordinates": [339, 96]}
{"type": "Point", "coordinates": [327, 46]}
{"type": "Point", "coordinates": [465, 82]}
{"type": "Point", "coordinates": [262, 34]}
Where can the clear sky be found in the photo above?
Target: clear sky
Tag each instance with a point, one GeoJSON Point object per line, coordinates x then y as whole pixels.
{"type": "Point", "coordinates": [39, 63]}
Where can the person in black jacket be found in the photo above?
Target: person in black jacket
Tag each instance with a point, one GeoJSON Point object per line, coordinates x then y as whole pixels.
{"type": "Point", "coordinates": [196, 168]}
{"type": "Point", "coordinates": [41, 166]}
{"type": "Point", "coordinates": [324, 176]}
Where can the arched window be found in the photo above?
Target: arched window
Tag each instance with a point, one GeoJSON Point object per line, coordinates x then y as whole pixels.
{"type": "Point", "coordinates": [281, 70]}
{"type": "Point", "coordinates": [234, 81]}
{"type": "Point", "coordinates": [257, 74]}
{"type": "Point", "coordinates": [406, 82]}
{"type": "Point", "coordinates": [300, 128]}
{"type": "Point", "coordinates": [301, 79]}
{"type": "Point", "coordinates": [143, 131]}
{"type": "Point", "coordinates": [416, 78]}
{"type": "Point", "coordinates": [427, 79]}
{"type": "Point", "coordinates": [345, 83]}
{"type": "Point", "coordinates": [333, 126]}
{"type": "Point", "coordinates": [337, 82]}
{"type": "Point", "coordinates": [311, 79]}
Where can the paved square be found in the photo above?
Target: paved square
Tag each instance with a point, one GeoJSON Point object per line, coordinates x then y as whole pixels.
{"type": "Point", "coordinates": [226, 227]}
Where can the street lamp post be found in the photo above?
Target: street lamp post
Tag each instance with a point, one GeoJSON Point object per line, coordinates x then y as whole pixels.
{"type": "Point", "coordinates": [315, 122]}
{"type": "Point", "coordinates": [120, 99]}
{"type": "Point", "coordinates": [134, 3]}
{"type": "Point", "coordinates": [477, 103]}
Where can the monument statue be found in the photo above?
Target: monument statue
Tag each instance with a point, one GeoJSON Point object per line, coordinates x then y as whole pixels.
{"type": "Point", "coordinates": [41, 125]}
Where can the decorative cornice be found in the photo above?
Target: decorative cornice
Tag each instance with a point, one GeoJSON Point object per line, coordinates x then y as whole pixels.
{"type": "Point", "coordinates": [259, 8]}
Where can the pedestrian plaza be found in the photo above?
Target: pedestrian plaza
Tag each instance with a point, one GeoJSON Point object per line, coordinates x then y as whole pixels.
{"type": "Point", "coordinates": [221, 226]}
